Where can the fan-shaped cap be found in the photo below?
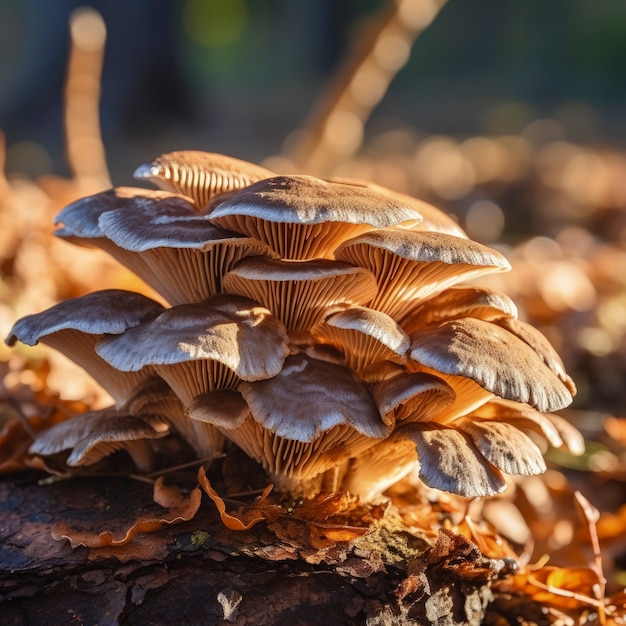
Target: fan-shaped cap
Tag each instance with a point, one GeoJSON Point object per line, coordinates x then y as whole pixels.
{"type": "Point", "coordinates": [200, 175]}
{"type": "Point", "coordinates": [240, 338]}
{"type": "Point", "coordinates": [80, 218]}
{"type": "Point", "coordinates": [364, 336]}
{"type": "Point", "coordinates": [450, 461]}
{"type": "Point", "coordinates": [433, 219]}
{"type": "Point", "coordinates": [411, 266]}
{"type": "Point", "coordinates": [312, 416]}
{"type": "Point", "coordinates": [411, 397]}
{"type": "Point", "coordinates": [530, 335]}
{"type": "Point", "coordinates": [298, 292]}
{"type": "Point", "coordinates": [456, 302]}
{"type": "Point", "coordinates": [497, 360]}
{"type": "Point", "coordinates": [96, 434]}
{"type": "Point", "coordinates": [505, 446]}
{"type": "Point", "coordinates": [303, 217]}
{"type": "Point", "coordinates": [74, 326]}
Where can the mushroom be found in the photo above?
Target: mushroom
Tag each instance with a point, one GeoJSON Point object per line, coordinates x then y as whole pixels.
{"type": "Point", "coordinates": [412, 266]}
{"type": "Point", "coordinates": [74, 326]}
{"type": "Point", "coordinates": [455, 302]}
{"type": "Point", "coordinates": [298, 292]}
{"type": "Point", "coordinates": [364, 336]}
{"type": "Point", "coordinates": [161, 238]}
{"type": "Point", "coordinates": [200, 175]}
{"type": "Point", "coordinates": [302, 217]}
{"type": "Point", "coordinates": [433, 219]}
{"type": "Point", "coordinates": [200, 347]}
{"type": "Point", "coordinates": [497, 360]}
{"type": "Point", "coordinates": [310, 418]}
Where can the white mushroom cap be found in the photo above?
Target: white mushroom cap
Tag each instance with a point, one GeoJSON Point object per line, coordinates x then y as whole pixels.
{"type": "Point", "coordinates": [198, 347]}
{"type": "Point", "coordinates": [494, 358]}
{"type": "Point", "coordinates": [303, 217]}
{"type": "Point", "coordinates": [74, 326]}
{"type": "Point", "coordinates": [364, 336]}
{"type": "Point", "coordinates": [311, 417]}
{"type": "Point", "coordinates": [200, 175]}
{"type": "Point", "coordinates": [412, 266]}
{"type": "Point", "coordinates": [433, 219]}
{"type": "Point", "coordinates": [456, 302]}
{"type": "Point", "coordinates": [298, 292]}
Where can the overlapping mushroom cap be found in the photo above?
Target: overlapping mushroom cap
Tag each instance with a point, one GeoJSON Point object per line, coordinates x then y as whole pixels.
{"type": "Point", "coordinates": [322, 327]}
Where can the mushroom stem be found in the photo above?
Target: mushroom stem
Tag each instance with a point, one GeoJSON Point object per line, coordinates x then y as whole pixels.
{"type": "Point", "coordinates": [142, 455]}
{"type": "Point", "coordinates": [297, 487]}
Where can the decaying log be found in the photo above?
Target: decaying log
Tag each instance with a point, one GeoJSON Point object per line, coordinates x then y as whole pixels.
{"type": "Point", "coordinates": [199, 572]}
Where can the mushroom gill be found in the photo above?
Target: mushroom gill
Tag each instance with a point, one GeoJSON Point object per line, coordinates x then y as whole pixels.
{"type": "Point", "coordinates": [321, 326]}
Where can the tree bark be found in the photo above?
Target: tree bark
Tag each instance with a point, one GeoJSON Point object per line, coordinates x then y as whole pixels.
{"type": "Point", "coordinates": [199, 572]}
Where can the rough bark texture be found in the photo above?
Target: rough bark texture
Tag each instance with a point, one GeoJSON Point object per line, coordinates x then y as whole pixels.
{"type": "Point", "coordinates": [199, 572]}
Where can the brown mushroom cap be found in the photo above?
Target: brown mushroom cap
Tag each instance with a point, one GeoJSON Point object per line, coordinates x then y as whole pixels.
{"type": "Point", "coordinates": [198, 347]}
{"type": "Point", "coordinates": [96, 434]}
{"type": "Point", "coordinates": [303, 217]}
{"type": "Point", "coordinates": [433, 219]}
{"type": "Point", "coordinates": [411, 397]}
{"type": "Point", "coordinates": [200, 175]}
{"type": "Point", "coordinates": [310, 417]}
{"type": "Point", "coordinates": [530, 335]}
{"type": "Point", "coordinates": [298, 292]}
{"type": "Point", "coordinates": [161, 238]}
{"type": "Point", "coordinates": [363, 335]}
{"type": "Point", "coordinates": [412, 266]}
{"type": "Point", "coordinates": [456, 302]}
{"type": "Point", "coordinates": [497, 360]}
{"type": "Point", "coordinates": [505, 446]}
{"type": "Point", "coordinates": [74, 326]}
{"type": "Point", "coordinates": [450, 461]}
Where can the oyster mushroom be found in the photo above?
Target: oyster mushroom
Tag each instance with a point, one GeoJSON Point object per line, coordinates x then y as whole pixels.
{"type": "Point", "coordinates": [412, 266]}
{"type": "Point", "coordinates": [298, 292]}
{"type": "Point", "coordinates": [303, 217]}
{"type": "Point", "coordinates": [161, 238]}
{"type": "Point", "coordinates": [310, 418]}
{"type": "Point", "coordinates": [200, 175]}
{"type": "Point", "coordinates": [200, 347]}
{"type": "Point", "coordinates": [74, 326]}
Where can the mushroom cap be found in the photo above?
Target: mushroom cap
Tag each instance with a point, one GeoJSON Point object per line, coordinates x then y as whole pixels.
{"type": "Point", "coordinates": [450, 461]}
{"type": "Point", "coordinates": [298, 292]}
{"type": "Point", "coordinates": [433, 219]}
{"type": "Point", "coordinates": [411, 397]}
{"type": "Point", "coordinates": [96, 434]}
{"type": "Point", "coordinates": [456, 302]}
{"type": "Point", "coordinates": [505, 446]}
{"type": "Point", "coordinates": [302, 217]}
{"type": "Point", "coordinates": [365, 336]}
{"type": "Point", "coordinates": [109, 311]}
{"type": "Point", "coordinates": [530, 335]}
{"type": "Point", "coordinates": [231, 330]}
{"type": "Point", "coordinates": [497, 360]}
{"type": "Point", "coordinates": [200, 175]}
{"type": "Point", "coordinates": [80, 218]}
{"type": "Point", "coordinates": [412, 266]}
{"type": "Point", "coordinates": [309, 397]}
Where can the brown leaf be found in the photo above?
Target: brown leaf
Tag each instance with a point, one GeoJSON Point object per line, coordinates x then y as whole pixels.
{"type": "Point", "coordinates": [247, 515]}
{"type": "Point", "coordinates": [183, 509]}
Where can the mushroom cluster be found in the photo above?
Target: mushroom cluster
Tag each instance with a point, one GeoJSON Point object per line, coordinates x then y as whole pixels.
{"type": "Point", "coordinates": [319, 325]}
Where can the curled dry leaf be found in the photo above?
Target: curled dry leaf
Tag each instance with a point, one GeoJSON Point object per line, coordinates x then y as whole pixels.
{"type": "Point", "coordinates": [179, 509]}
{"type": "Point", "coordinates": [247, 515]}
